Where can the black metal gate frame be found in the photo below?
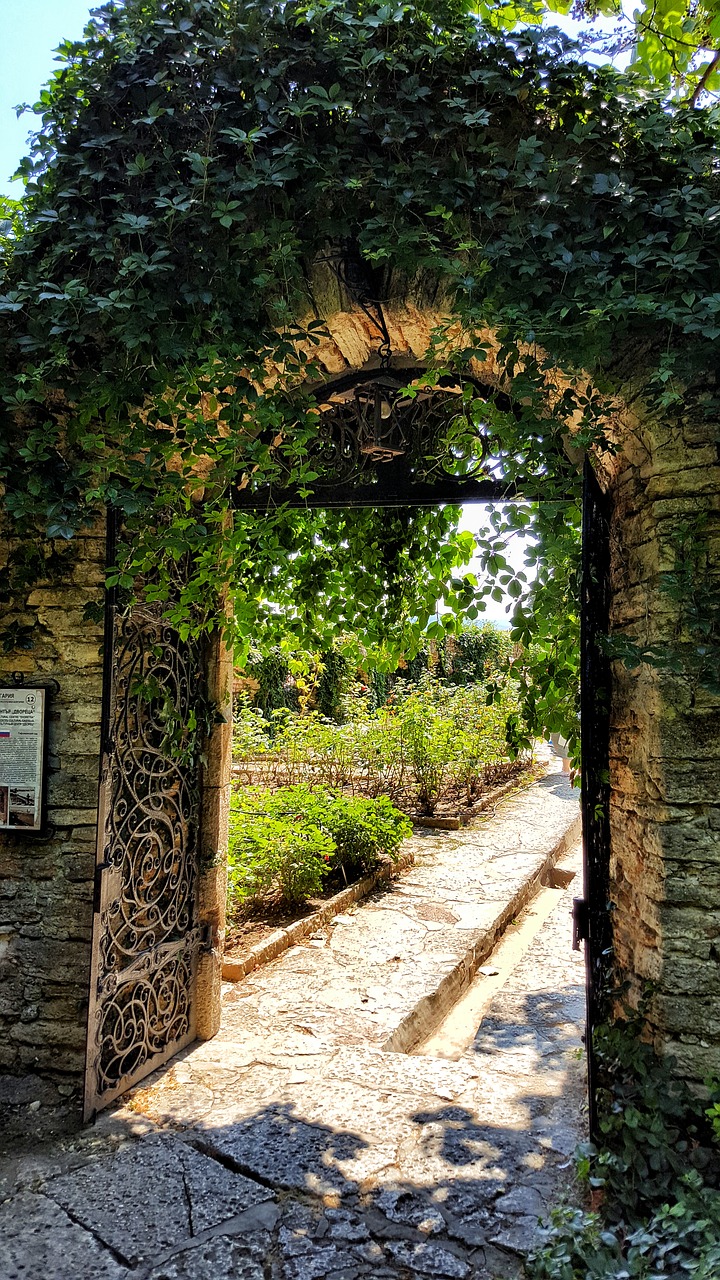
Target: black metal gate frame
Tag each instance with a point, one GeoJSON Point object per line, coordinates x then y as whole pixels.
{"type": "Point", "coordinates": [396, 488]}
{"type": "Point", "coordinates": [592, 912]}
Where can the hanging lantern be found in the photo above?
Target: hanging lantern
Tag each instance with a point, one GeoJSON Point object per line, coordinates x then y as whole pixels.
{"type": "Point", "coordinates": [380, 426]}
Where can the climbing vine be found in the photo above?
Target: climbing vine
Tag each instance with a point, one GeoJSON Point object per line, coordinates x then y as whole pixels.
{"type": "Point", "coordinates": [195, 161]}
{"type": "Point", "coordinates": [653, 1174]}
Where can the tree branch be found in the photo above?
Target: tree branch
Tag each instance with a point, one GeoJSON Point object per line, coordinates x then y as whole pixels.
{"type": "Point", "coordinates": [712, 64]}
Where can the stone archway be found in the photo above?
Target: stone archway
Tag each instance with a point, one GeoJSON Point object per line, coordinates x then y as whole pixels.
{"type": "Point", "coordinates": [664, 776]}
{"type": "Point", "coordinates": [664, 748]}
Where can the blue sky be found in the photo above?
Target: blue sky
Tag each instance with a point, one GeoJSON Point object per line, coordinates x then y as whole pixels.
{"type": "Point", "coordinates": [30, 30]}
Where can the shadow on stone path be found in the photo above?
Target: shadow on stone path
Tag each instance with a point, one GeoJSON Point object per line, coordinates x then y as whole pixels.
{"type": "Point", "coordinates": [277, 1198]}
{"type": "Point", "coordinates": [287, 1150]}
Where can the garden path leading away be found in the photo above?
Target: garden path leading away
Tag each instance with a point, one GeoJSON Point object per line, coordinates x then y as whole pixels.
{"type": "Point", "coordinates": [297, 1146]}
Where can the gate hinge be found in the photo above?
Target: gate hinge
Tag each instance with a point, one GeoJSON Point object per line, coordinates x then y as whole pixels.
{"type": "Point", "coordinates": [580, 917]}
{"type": "Point", "coordinates": [206, 938]}
{"type": "Point", "coordinates": [97, 890]}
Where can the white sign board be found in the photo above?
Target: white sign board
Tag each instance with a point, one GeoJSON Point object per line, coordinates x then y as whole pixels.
{"type": "Point", "coordinates": [22, 736]}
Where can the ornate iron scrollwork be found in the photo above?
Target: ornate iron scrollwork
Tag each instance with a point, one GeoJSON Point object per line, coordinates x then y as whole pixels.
{"type": "Point", "coordinates": [146, 935]}
{"type": "Point", "coordinates": [378, 417]}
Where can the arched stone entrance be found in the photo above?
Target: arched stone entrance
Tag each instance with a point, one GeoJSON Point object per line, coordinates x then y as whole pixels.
{"type": "Point", "coordinates": [664, 766]}
{"type": "Point", "coordinates": [543, 158]}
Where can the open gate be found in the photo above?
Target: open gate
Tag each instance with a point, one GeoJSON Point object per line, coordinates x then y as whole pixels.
{"type": "Point", "coordinates": [146, 936]}
{"type": "Point", "coordinates": [371, 452]}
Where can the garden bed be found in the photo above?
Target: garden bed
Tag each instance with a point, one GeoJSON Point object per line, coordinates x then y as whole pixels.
{"type": "Point", "coordinates": [267, 928]}
{"type": "Point", "coordinates": [454, 811]}
{"type": "Point", "coordinates": [260, 919]}
{"type": "Point", "coordinates": [321, 809]}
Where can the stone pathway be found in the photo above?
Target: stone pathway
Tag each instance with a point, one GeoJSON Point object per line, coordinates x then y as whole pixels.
{"type": "Point", "coordinates": [295, 1146]}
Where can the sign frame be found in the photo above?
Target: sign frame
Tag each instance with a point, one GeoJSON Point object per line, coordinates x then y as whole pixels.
{"type": "Point", "coordinates": [24, 720]}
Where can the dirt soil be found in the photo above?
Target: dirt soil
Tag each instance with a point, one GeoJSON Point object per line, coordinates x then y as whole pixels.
{"type": "Point", "coordinates": [246, 931]}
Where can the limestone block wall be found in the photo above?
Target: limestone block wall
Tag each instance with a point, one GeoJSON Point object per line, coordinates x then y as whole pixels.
{"type": "Point", "coordinates": [665, 750]}
{"type": "Point", "coordinates": [212, 887]}
{"type": "Point", "coordinates": [46, 881]}
{"type": "Point", "coordinates": [665, 734]}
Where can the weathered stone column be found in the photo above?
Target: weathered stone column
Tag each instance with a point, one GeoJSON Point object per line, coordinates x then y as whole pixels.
{"type": "Point", "coordinates": [46, 880]}
{"type": "Point", "coordinates": [665, 748]}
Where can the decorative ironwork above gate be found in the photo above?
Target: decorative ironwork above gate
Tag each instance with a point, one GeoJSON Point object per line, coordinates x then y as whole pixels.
{"type": "Point", "coordinates": [145, 933]}
{"type": "Point", "coordinates": [381, 441]}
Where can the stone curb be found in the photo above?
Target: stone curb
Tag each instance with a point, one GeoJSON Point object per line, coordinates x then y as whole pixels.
{"type": "Point", "coordinates": [457, 823]}
{"type": "Point", "coordinates": [234, 969]}
{"type": "Point", "coordinates": [422, 1021]}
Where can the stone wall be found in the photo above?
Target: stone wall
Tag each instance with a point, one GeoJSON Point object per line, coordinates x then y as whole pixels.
{"type": "Point", "coordinates": [665, 736]}
{"type": "Point", "coordinates": [46, 881]}
{"type": "Point", "coordinates": [665, 751]}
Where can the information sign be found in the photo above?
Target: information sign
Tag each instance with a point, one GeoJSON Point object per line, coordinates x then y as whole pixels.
{"type": "Point", "coordinates": [22, 758]}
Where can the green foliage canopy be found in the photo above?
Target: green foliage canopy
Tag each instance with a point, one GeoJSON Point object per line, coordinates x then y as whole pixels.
{"type": "Point", "coordinates": [195, 159]}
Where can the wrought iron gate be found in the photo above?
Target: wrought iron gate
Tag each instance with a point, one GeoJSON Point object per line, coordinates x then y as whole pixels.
{"type": "Point", "coordinates": [146, 937]}
{"type": "Point", "coordinates": [592, 919]}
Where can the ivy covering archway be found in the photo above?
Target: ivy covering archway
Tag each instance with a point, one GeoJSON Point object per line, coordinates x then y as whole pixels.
{"type": "Point", "coordinates": [196, 160]}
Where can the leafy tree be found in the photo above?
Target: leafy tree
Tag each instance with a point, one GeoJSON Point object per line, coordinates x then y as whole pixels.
{"type": "Point", "coordinates": [675, 44]}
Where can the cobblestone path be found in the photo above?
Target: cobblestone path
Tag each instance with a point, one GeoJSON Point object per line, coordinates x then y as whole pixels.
{"type": "Point", "coordinates": [297, 1146]}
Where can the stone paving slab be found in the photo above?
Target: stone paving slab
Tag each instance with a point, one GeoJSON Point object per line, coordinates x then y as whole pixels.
{"type": "Point", "coordinates": [38, 1241]}
{"type": "Point", "coordinates": [152, 1196]}
{"type": "Point", "coordinates": [223, 1258]}
{"type": "Point", "coordinates": [294, 1147]}
{"type": "Point", "coordinates": [372, 972]}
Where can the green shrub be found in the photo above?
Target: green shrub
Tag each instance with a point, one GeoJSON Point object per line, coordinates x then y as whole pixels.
{"type": "Point", "coordinates": [335, 677]}
{"type": "Point", "coordinates": [713, 1111]}
{"type": "Point", "coordinates": [271, 854]}
{"type": "Point", "coordinates": [285, 842]}
{"type": "Point", "coordinates": [680, 1239]}
{"type": "Point", "coordinates": [251, 737]}
{"type": "Point", "coordinates": [474, 654]}
{"type": "Point", "coordinates": [271, 670]}
{"type": "Point", "coordinates": [658, 1170]}
{"type": "Point", "coordinates": [431, 747]}
{"type": "Point", "coordinates": [364, 830]}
